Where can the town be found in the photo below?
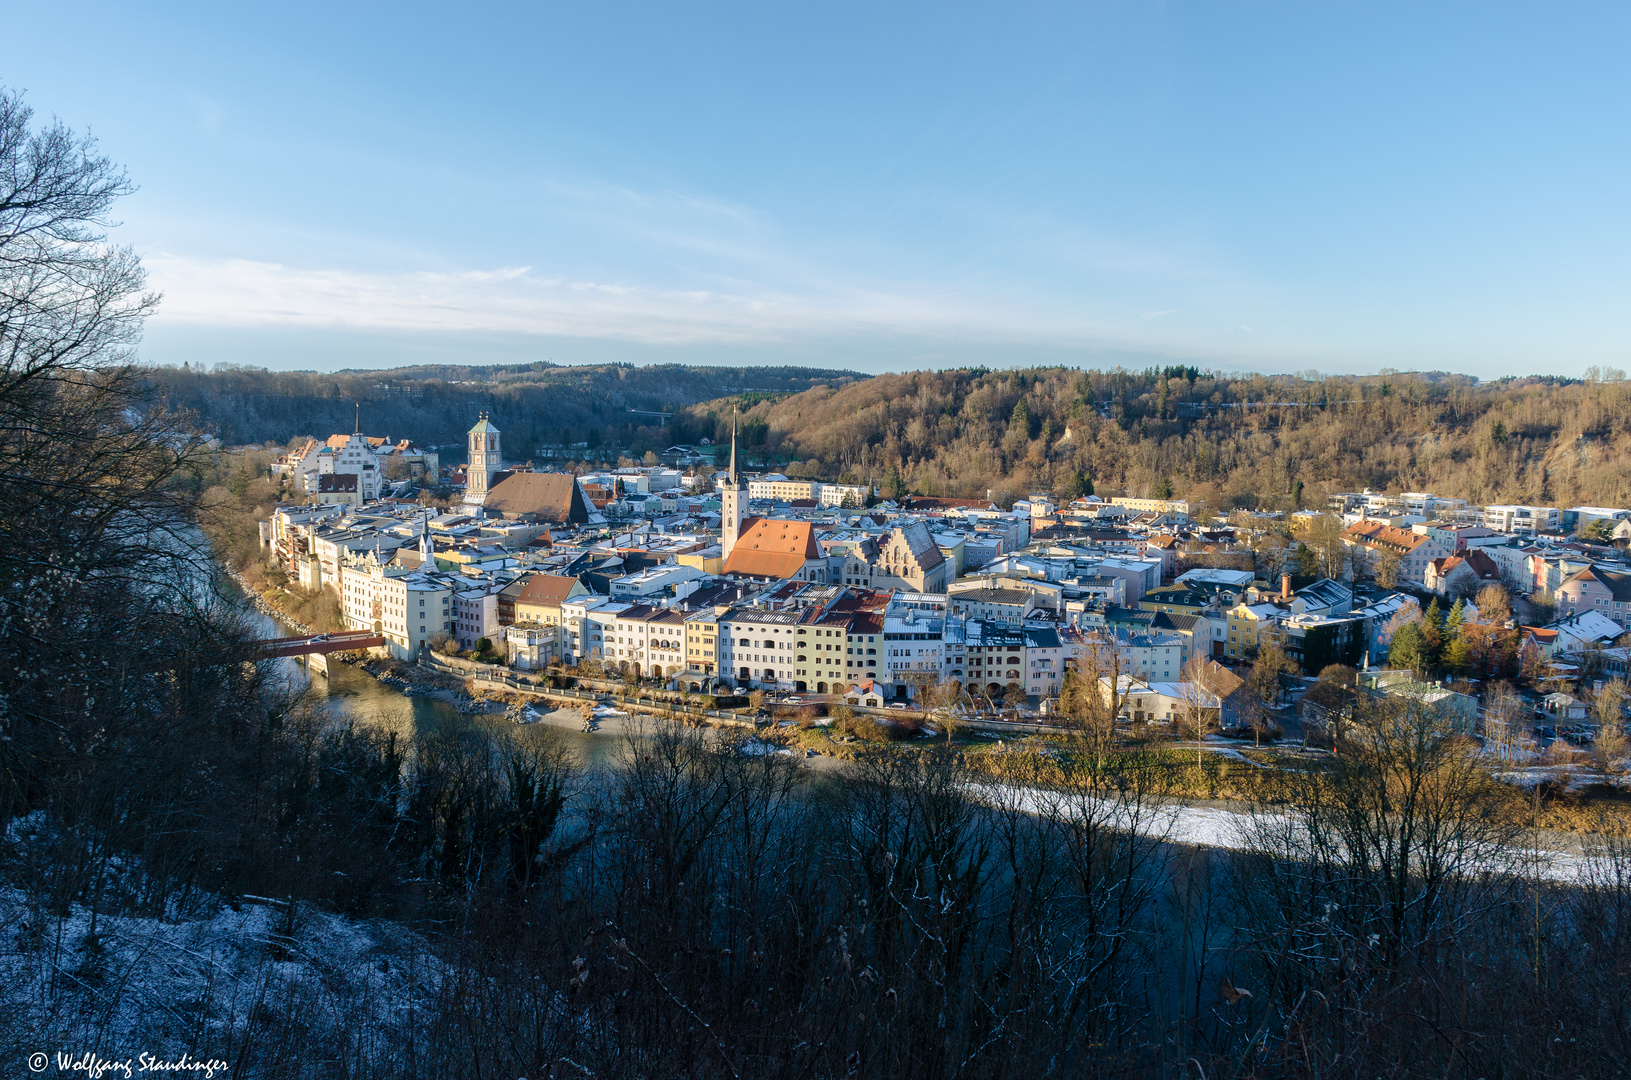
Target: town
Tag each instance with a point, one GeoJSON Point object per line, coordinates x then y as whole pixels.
{"type": "Point", "coordinates": [679, 575]}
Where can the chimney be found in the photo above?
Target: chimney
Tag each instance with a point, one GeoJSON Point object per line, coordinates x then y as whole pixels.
{"type": "Point", "coordinates": [1285, 586]}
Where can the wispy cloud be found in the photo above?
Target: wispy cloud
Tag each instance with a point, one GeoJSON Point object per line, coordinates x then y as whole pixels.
{"type": "Point", "coordinates": [245, 294]}
{"type": "Point", "coordinates": [242, 292]}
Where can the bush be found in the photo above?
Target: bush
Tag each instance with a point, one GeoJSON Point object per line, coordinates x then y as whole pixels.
{"type": "Point", "coordinates": [864, 728]}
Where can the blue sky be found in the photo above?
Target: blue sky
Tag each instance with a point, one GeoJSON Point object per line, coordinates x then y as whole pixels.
{"type": "Point", "coordinates": [1266, 186]}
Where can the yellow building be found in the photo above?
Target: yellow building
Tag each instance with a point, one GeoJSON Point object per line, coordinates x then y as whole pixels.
{"type": "Point", "coordinates": [702, 642]}
{"type": "Point", "coordinates": [539, 600]}
{"type": "Point", "coordinates": [709, 560]}
{"type": "Point", "coordinates": [784, 488]}
{"type": "Point", "coordinates": [1247, 625]}
{"type": "Point", "coordinates": [1154, 506]}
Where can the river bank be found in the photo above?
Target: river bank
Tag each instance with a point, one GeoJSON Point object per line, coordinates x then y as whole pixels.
{"type": "Point", "coordinates": [263, 605]}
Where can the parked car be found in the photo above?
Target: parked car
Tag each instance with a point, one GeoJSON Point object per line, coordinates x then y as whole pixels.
{"type": "Point", "coordinates": [894, 705]}
{"type": "Point", "coordinates": [1546, 731]}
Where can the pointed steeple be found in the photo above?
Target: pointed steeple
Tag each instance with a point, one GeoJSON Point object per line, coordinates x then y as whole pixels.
{"type": "Point", "coordinates": [356, 429]}
{"type": "Point", "coordinates": [732, 478]}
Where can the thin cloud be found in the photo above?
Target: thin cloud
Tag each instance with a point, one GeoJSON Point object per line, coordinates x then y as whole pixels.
{"type": "Point", "coordinates": [246, 294]}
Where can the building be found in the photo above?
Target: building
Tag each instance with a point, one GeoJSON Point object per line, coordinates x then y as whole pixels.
{"type": "Point", "coordinates": [772, 548]}
{"type": "Point", "coordinates": [998, 605]}
{"type": "Point", "coordinates": [995, 651]}
{"type": "Point", "coordinates": [733, 499]}
{"type": "Point", "coordinates": [702, 644]}
{"type": "Point", "coordinates": [1188, 598]}
{"type": "Point", "coordinates": [547, 498]}
{"type": "Point", "coordinates": [1606, 592]}
{"type": "Point", "coordinates": [408, 608]}
{"type": "Point", "coordinates": [351, 456]}
{"type": "Point", "coordinates": [1521, 519]}
{"type": "Point", "coordinates": [540, 597]}
{"type": "Point", "coordinates": [475, 616]}
{"type": "Point", "coordinates": [823, 651]}
{"type": "Point", "coordinates": [1161, 702]}
{"type": "Point", "coordinates": [910, 560]}
{"type": "Point", "coordinates": [650, 641]}
{"type": "Point", "coordinates": [1179, 508]}
{"type": "Point", "coordinates": [484, 462]}
{"type": "Point", "coordinates": [588, 625]}
{"type": "Point", "coordinates": [780, 489]}
{"type": "Point", "coordinates": [912, 652]}
{"type": "Point", "coordinates": [1377, 541]}
{"type": "Point", "coordinates": [854, 496]}
{"type": "Point", "coordinates": [1460, 709]}
{"type": "Point", "coordinates": [338, 489]}
{"type": "Point", "coordinates": [1044, 660]}
{"type": "Point", "coordinates": [668, 579]}
{"type": "Point", "coordinates": [756, 647]}
{"type": "Point", "coordinates": [1462, 575]}
{"type": "Point", "coordinates": [1248, 623]}
{"type": "Point", "coordinates": [531, 646]}
{"type": "Point", "coordinates": [1576, 518]}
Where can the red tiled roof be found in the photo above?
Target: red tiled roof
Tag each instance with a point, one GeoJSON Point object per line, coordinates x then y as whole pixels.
{"type": "Point", "coordinates": [546, 590]}
{"type": "Point", "coordinates": [773, 548]}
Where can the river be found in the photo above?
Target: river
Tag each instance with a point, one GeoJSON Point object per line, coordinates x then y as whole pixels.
{"type": "Point", "coordinates": [352, 694]}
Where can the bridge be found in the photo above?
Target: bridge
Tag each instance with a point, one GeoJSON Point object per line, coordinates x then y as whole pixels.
{"type": "Point", "coordinates": [322, 644]}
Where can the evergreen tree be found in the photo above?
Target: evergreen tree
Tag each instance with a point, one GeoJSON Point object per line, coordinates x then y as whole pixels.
{"type": "Point", "coordinates": [1163, 490]}
{"type": "Point", "coordinates": [894, 486]}
{"type": "Point", "coordinates": [1456, 620]}
{"type": "Point", "coordinates": [1408, 649]}
{"type": "Point", "coordinates": [1434, 614]}
{"type": "Point", "coordinates": [1458, 657]}
{"type": "Point", "coordinates": [1020, 421]}
{"type": "Point", "coordinates": [1432, 635]}
{"type": "Point", "coordinates": [1308, 564]}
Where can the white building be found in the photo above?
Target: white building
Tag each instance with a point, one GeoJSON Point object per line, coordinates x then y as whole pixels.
{"type": "Point", "coordinates": [655, 581]}
{"type": "Point", "coordinates": [1520, 519]}
{"type": "Point", "coordinates": [855, 495]}
{"type": "Point", "coordinates": [588, 629]}
{"type": "Point", "coordinates": [353, 457]}
{"type": "Point", "coordinates": [913, 650]}
{"type": "Point", "coordinates": [756, 646]}
{"type": "Point", "coordinates": [475, 616]}
{"type": "Point", "coordinates": [407, 607]}
{"type": "Point", "coordinates": [650, 640]}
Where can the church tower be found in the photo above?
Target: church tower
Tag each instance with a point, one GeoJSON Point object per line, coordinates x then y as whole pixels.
{"type": "Point", "coordinates": [483, 462]}
{"type": "Point", "coordinates": [732, 502]}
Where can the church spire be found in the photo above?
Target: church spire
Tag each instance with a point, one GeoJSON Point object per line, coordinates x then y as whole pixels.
{"type": "Point", "coordinates": [732, 478]}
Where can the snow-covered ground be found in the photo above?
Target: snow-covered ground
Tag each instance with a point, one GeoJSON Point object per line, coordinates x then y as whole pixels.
{"type": "Point", "coordinates": [1237, 830]}
{"type": "Point", "coordinates": [168, 987]}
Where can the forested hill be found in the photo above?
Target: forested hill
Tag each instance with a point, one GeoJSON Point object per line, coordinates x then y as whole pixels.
{"type": "Point", "coordinates": [533, 404]}
{"type": "Point", "coordinates": [1231, 441]}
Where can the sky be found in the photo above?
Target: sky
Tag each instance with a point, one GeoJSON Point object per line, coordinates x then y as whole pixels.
{"type": "Point", "coordinates": [879, 187]}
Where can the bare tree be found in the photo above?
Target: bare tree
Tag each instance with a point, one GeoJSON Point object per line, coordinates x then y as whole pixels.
{"type": "Point", "coordinates": [1196, 713]}
{"type": "Point", "coordinates": [1608, 709]}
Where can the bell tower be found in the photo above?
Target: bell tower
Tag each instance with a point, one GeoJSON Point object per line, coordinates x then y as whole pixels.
{"type": "Point", "coordinates": [732, 502]}
{"type": "Point", "coordinates": [483, 462]}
